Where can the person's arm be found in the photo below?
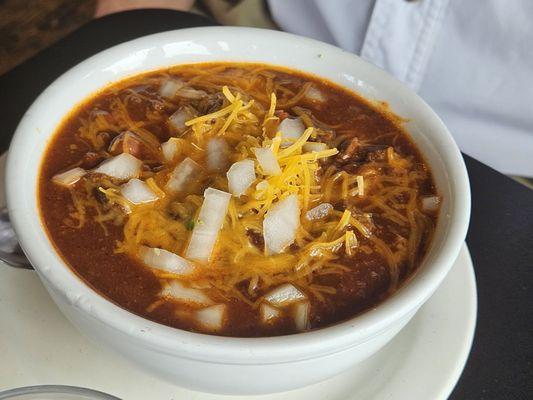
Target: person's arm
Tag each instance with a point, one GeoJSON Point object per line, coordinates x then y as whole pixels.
{"type": "Point", "coordinates": [105, 7]}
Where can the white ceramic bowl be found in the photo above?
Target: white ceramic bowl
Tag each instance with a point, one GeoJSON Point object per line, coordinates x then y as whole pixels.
{"type": "Point", "coordinates": [221, 364]}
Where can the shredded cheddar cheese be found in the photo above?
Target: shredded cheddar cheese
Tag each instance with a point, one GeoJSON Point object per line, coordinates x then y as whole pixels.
{"type": "Point", "coordinates": [319, 244]}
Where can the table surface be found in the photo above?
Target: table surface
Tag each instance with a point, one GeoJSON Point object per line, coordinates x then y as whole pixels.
{"type": "Point", "coordinates": [500, 237]}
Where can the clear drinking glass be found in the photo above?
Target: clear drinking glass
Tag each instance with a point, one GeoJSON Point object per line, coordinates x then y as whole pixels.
{"type": "Point", "coordinates": [54, 392]}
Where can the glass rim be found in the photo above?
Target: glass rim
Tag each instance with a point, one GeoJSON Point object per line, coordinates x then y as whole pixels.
{"type": "Point", "coordinates": [56, 389]}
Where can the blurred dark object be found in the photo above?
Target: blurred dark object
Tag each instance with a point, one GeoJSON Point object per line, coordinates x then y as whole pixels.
{"type": "Point", "coordinates": [21, 85]}
{"type": "Point", "coordinates": [26, 27]}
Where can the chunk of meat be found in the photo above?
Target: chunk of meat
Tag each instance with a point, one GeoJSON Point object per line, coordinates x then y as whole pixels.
{"type": "Point", "coordinates": [324, 135]}
{"type": "Point", "coordinates": [353, 152]}
{"type": "Point", "coordinates": [91, 159]}
{"type": "Point", "coordinates": [210, 103]}
{"type": "Point", "coordinates": [131, 143]}
{"type": "Point", "coordinates": [103, 139]}
{"type": "Point", "coordinates": [339, 205]}
{"type": "Point", "coordinates": [350, 151]}
{"type": "Point", "coordinates": [99, 196]}
{"type": "Point", "coordinates": [281, 114]}
{"type": "Point", "coordinates": [380, 154]}
{"type": "Point", "coordinates": [256, 238]}
{"type": "Point", "coordinates": [368, 170]}
{"type": "Point", "coordinates": [352, 168]}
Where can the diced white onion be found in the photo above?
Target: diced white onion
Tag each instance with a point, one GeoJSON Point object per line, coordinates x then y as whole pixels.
{"type": "Point", "coordinates": [211, 318]}
{"type": "Point", "coordinates": [124, 166]}
{"type": "Point", "coordinates": [178, 119]}
{"type": "Point", "coordinates": [170, 149]}
{"type": "Point", "coordinates": [169, 88]}
{"type": "Point", "coordinates": [190, 93]}
{"type": "Point", "coordinates": [174, 87]}
{"type": "Point", "coordinates": [280, 224]}
{"type": "Point", "coordinates": [318, 212]}
{"type": "Point", "coordinates": [268, 313]}
{"type": "Point", "coordinates": [217, 154]}
{"type": "Point", "coordinates": [284, 295]}
{"type": "Point", "coordinates": [267, 160]}
{"type": "Point", "coordinates": [291, 128]}
{"type": "Point", "coordinates": [301, 315]}
{"type": "Point", "coordinates": [165, 261]}
{"type": "Point", "coordinates": [263, 185]}
{"type": "Point", "coordinates": [240, 176]}
{"type": "Point", "coordinates": [314, 146]}
{"type": "Point", "coordinates": [69, 177]}
{"type": "Point", "coordinates": [315, 94]}
{"type": "Point", "coordinates": [137, 192]}
{"type": "Point", "coordinates": [210, 220]}
{"type": "Point", "coordinates": [430, 203]}
{"type": "Point", "coordinates": [182, 175]}
{"type": "Point", "coordinates": [179, 292]}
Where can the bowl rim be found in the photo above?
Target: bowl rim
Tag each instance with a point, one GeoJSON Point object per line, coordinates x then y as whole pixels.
{"type": "Point", "coordinates": [341, 336]}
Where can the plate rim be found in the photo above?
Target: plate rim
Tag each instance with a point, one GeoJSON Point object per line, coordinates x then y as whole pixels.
{"type": "Point", "coordinates": [464, 260]}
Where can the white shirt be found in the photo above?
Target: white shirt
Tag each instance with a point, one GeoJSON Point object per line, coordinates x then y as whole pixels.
{"type": "Point", "coordinates": [472, 61]}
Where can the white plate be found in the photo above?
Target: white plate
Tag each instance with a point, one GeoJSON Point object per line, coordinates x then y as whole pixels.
{"type": "Point", "coordinates": [424, 361]}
